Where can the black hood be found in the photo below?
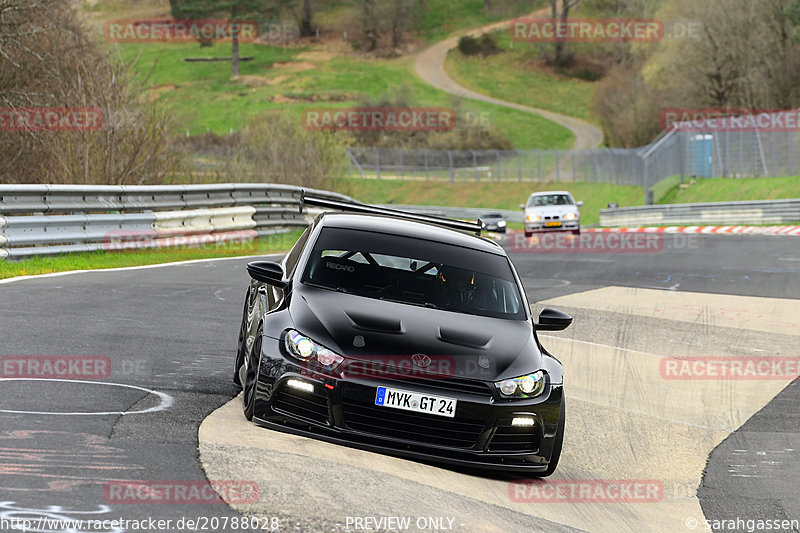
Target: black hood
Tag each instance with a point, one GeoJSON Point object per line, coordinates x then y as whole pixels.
{"type": "Point", "coordinates": [374, 330]}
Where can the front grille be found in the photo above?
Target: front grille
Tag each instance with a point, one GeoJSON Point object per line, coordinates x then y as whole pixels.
{"type": "Point", "coordinates": [301, 404]}
{"type": "Point", "coordinates": [416, 427]}
{"type": "Point", "coordinates": [514, 439]}
{"type": "Point", "coordinates": [445, 385]}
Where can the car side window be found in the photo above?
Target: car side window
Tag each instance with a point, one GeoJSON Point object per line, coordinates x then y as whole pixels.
{"type": "Point", "coordinates": [290, 263]}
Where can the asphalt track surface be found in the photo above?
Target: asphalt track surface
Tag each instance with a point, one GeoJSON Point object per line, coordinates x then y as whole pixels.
{"type": "Point", "coordinates": [730, 448]}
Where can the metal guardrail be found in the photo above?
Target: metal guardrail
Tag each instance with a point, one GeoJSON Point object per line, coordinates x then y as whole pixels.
{"type": "Point", "coordinates": [712, 213]}
{"type": "Point", "coordinates": [56, 219]}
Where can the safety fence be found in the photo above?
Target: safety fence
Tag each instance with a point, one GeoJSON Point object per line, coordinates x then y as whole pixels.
{"type": "Point", "coordinates": [685, 150]}
{"type": "Point", "coordinates": [57, 219]}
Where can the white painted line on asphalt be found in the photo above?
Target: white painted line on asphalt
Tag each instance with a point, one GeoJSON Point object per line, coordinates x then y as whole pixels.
{"type": "Point", "coordinates": [166, 401]}
{"type": "Point", "coordinates": [141, 267]}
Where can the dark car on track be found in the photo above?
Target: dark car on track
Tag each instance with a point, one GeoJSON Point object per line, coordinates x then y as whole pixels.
{"type": "Point", "coordinates": [493, 222]}
{"type": "Point", "coordinates": [402, 334]}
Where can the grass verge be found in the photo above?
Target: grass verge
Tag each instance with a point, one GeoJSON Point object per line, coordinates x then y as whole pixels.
{"type": "Point", "coordinates": [732, 189]}
{"type": "Point", "coordinates": [516, 75]}
{"type": "Point", "coordinates": [203, 96]}
{"type": "Point", "coordinates": [503, 195]}
{"type": "Point", "coordinates": [126, 258]}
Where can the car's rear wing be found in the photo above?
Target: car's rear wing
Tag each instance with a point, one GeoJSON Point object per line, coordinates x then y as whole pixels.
{"type": "Point", "coordinates": [473, 227]}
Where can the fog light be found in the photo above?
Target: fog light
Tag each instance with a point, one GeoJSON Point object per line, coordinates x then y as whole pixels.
{"type": "Point", "coordinates": [300, 385]}
{"type": "Point", "coordinates": [522, 421]}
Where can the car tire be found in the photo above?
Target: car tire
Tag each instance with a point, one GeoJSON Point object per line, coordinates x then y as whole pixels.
{"type": "Point", "coordinates": [241, 344]}
{"type": "Point", "coordinates": [558, 442]}
{"type": "Point", "coordinates": [251, 379]}
{"type": "Point", "coordinates": [576, 232]}
{"type": "Point", "coordinates": [528, 234]}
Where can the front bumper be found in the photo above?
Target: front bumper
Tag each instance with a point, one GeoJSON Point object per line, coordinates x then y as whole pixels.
{"type": "Point", "coordinates": [342, 410]}
{"type": "Point", "coordinates": [565, 225]}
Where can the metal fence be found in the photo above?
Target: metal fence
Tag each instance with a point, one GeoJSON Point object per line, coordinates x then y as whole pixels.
{"type": "Point", "coordinates": [620, 166]}
{"type": "Point", "coordinates": [680, 152]}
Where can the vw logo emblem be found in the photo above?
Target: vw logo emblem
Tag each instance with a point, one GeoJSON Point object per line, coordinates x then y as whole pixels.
{"type": "Point", "coordinates": [421, 360]}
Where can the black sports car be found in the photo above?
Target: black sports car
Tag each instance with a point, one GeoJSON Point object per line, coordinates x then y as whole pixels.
{"type": "Point", "coordinates": [402, 334]}
{"type": "Point", "coordinates": [493, 222]}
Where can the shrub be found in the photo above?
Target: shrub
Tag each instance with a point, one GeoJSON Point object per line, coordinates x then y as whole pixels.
{"type": "Point", "coordinates": [468, 45]}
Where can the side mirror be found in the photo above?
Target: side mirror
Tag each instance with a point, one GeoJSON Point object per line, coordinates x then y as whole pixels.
{"type": "Point", "coordinates": [522, 207]}
{"type": "Point", "coordinates": [267, 272]}
{"type": "Point", "coordinates": [553, 320]}
{"type": "Point", "coordinates": [580, 203]}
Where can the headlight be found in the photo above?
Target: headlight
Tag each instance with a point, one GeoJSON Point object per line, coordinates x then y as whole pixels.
{"type": "Point", "coordinates": [306, 349]}
{"type": "Point", "coordinates": [570, 216]}
{"type": "Point", "coordinates": [528, 386]}
{"type": "Point", "coordinates": [533, 218]}
{"type": "Point", "coordinates": [501, 224]}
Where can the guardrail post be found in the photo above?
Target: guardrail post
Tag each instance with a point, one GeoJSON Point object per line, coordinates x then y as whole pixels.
{"type": "Point", "coordinates": [499, 166]}
{"type": "Point", "coordinates": [378, 162]}
{"type": "Point", "coordinates": [427, 172]}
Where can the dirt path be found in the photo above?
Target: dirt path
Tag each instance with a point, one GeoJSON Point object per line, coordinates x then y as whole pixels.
{"type": "Point", "coordinates": [429, 65]}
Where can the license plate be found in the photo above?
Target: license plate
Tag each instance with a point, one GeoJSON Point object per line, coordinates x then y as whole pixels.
{"type": "Point", "coordinates": [552, 224]}
{"type": "Point", "coordinates": [414, 401]}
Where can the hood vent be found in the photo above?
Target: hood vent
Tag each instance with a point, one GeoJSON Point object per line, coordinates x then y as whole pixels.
{"type": "Point", "coordinates": [464, 338]}
{"type": "Point", "coordinates": [375, 323]}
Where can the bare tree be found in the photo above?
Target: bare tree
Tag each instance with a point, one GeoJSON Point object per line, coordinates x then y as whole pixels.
{"type": "Point", "coordinates": [561, 16]}
{"type": "Point", "coordinates": [48, 59]}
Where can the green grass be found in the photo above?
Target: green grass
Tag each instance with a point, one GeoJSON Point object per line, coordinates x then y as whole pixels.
{"type": "Point", "coordinates": [733, 189]}
{"type": "Point", "coordinates": [126, 258]}
{"type": "Point", "coordinates": [515, 75]}
{"type": "Point", "coordinates": [444, 17]}
{"type": "Point", "coordinates": [204, 97]}
{"type": "Point", "coordinates": [595, 196]}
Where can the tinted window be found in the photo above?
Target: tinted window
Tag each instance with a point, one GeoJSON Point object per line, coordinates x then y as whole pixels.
{"type": "Point", "coordinates": [414, 272]}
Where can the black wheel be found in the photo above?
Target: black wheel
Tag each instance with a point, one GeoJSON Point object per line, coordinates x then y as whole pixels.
{"type": "Point", "coordinates": [241, 346]}
{"type": "Point", "coordinates": [528, 234]}
{"type": "Point", "coordinates": [576, 231]}
{"type": "Point", "coordinates": [251, 378]}
{"type": "Point", "coordinates": [559, 440]}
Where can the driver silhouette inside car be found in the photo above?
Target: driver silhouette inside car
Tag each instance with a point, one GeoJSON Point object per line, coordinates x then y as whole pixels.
{"type": "Point", "coordinates": [455, 287]}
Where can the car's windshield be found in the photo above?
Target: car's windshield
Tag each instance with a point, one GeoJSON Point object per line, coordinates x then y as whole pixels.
{"type": "Point", "coordinates": [549, 199]}
{"type": "Point", "coordinates": [414, 272]}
